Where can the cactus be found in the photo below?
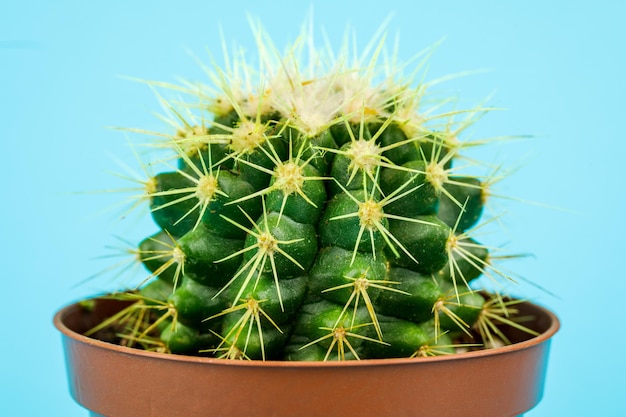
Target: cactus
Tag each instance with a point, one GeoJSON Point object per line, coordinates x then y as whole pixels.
{"type": "Point", "coordinates": [320, 214]}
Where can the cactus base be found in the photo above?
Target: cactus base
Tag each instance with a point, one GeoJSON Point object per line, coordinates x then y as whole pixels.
{"type": "Point", "coordinates": [116, 381]}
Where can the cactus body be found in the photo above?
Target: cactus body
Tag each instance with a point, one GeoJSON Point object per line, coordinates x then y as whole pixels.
{"type": "Point", "coordinates": [317, 218]}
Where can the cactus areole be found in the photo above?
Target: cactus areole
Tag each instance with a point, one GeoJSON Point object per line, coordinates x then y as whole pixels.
{"type": "Point", "coordinates": [315, 209]}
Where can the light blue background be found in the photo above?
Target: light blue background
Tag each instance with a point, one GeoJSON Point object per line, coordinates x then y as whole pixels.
{"type": "Point", "coordinates": [557, 67]}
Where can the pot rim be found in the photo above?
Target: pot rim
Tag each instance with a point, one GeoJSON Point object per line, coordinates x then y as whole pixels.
{"type": "Point", "coordinates": [554, 326]}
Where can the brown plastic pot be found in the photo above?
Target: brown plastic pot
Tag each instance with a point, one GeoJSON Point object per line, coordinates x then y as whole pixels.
{"type": "Point", "coordinates": [115, 381]}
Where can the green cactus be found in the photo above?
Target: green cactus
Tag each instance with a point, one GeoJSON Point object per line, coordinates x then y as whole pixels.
{"type": "Point", "coordinates": [318, 215]}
